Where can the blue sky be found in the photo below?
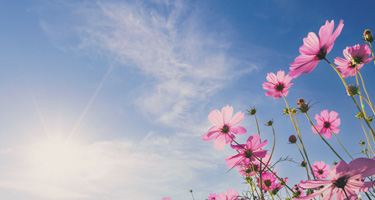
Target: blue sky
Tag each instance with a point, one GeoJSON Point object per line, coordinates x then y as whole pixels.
{"type": "Point", "coordinates": [126, 86]}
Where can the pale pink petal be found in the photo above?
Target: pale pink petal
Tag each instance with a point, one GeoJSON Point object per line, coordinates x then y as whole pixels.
{"type": "Point", "coordinates": [361, 168]}
{"type": "Point", "coordinates": [219, 143]}
{"type": "Point", "coordinates": [335, 35]}
{"type": "Point", "coordinates": [227, 114]}
{"type": "Point", "coordinates": [330, 194]}
{"type": "Point", "coordinates": [332, 116]}
{"type": "Point", "coordinates": [268, 86]}
{"type": "Point", "coordinates": [233, 160]}
{"type": "Point", "coordinates": [336, 122]}
{"type": "Point", "coordinates": [325, 33]}
{"type": "Point", "coordinates": [308, 197]}
{"type": "Point", "coordinates": [211, 134]}
{"type": "Point", "coordinates": [311, 45]}
{"type": "Point", "coordinates": [216, 118]}
{"type": "Point", "coordinates": [359, 186]}
{"type": "Point", "coordinates": [280, 76]}
{"type": "Point", "coordinates": [339, 170]}
{"type": "Point", "coordinates": [237, 118]}
{"type": "Point", "coordinates": [239, 130]}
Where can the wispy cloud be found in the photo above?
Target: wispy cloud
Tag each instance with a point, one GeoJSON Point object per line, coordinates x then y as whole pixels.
{"type": "Point", "coordinates": [185, 62]}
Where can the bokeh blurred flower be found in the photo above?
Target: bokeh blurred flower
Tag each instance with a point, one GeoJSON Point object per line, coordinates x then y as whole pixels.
{"type": "Point", "coordinates": [230, 195]}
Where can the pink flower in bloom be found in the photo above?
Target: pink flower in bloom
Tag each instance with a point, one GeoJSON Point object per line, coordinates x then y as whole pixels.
{"type": "Point", "coordinates": [277, 85]}
{"type": "Point", "coordinates": [344, 177]}
{"type": "Point", "coordinates": [250, 168]}
{"type": "Point", "coordinates": [224, 127]}
{"type": "Point", "coordinates": [327, 122]}
{"type": "Point", "coordinates": [166, 198]}
{"type": "Point", "coordinates": [268, 181]}
{"type": "Point", "coordinates": [320, 170]}
{"type": "Point", "coordinates": [247, 151]}
{"type": "Point", "coordinates": [230, 195]}
{"type": "Point", "coordinates": [355, 55]}
{"type": "Point", "coordinates": [212, 197]}
{"type": "Point", "coordinates": [279, 186]}
{"type": "Point", "coordinates": [315, 49]}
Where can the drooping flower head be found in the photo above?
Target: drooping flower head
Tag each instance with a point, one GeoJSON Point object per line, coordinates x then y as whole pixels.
{"type": "Point", "coordinates": [247, 152]}
{"type": "Point", "coordinates": [327, 122]}
{"type": "Point", "coordinates": [212, 197]}
{"type": "Point", "coordinates": [343, 177]}
{"type": "Point", "coordinates": [354, 56]}
{"type": "Point", "coordinates": [277, 85]}
{"type": "Point", "coordinates": [230, 195]}
{"type": "Point", "coordinates": [315, 49]}
{"type": "Point", "coordinates": [224, 127]}
{"type": "Point", "coordinates": [320, 170]}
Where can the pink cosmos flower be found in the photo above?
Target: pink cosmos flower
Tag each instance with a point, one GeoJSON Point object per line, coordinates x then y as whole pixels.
{"type": "Point", "coordinates": [355, 55]}
{"type": "Point", "coordinates": [230, 195]}
{"type": "Point", "coordinates": [315, 49]}
{"type": "Point", "coordinates": [279, 186]}
{"type": "Point", "coordinates": [249, 169]}
{"type": "Point", "coordinates": [277, 85]}
{"type": "Point", "coordinates": [212, 197]}
{"type": "Point", "coordinates": [320, 170]}
{"type": "Point", "coordinates": [327, 122]}
{"type": "Point", "coordinates": [247, 152]}
{"type": "Point", "coordinates": [224, 127]}
{"type": "Point", "coordinates": [268, 181]}
{"type": "Point", "coordinates": [344, 177]}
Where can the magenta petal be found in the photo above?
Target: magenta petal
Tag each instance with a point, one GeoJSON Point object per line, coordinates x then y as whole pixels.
{"type": "Point", "coordinates": [233, 160]}
{"type": "Point", "coordinates": [361, 168]}
{"type": "Point", "coordinates": [239, 130]}
{"type": "Point", "coordinates": [339, 170]}
{"type": "Point", "coordinates": [360, 186]}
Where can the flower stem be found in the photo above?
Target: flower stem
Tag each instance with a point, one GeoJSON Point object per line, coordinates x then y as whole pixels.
{"type": "Point", "coordinates": [372, 51]}
{"type": "Point", "coordinates": [303, 157]}
{"type": "Point", "coordinates": [342, 145]}
{"type": "Point", "coordinates": [369, 102]}
{"type": "Point", "coordinates": [323, 137]}
{"type": "Point", "coordinates": [347, 197]}
{"type": "Point", "coordinates": [367, 137]}
{"type": "Point", "coordinates": [299, 135]}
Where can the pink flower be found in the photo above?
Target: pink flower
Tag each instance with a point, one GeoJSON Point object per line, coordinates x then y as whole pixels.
{"type": "Point", "coordinates": [326, 123]}
{"type": "Point", "coordinates": [344, 177]}
{"type": "Point", "coordinates": [212, 197]}
{"type": "Point", "coordinates": [279, 186]}
{"type": "Point", "coordinates": [320, 170]}
{"type": "Point", "coordinates": [247, 152]}
{"type": "Point", "coordinates": [277, 85]}
{"type": "Point", "coordinates": [166, 198]}
{"type": "Point", "coordinates": [298, 191]}
{"type": "Point", "coordinates": [224, 127]}
{"type": "Point", "coordinates": [268, 181]}
{"type": "Point", "coordinates": [355, 55]}
{"type": "Point", "coordinates": [250, 168]}
{"type": "Point", "coordinates": [315, 49]}
{"type": "Point", "coordinates": [230, 195]}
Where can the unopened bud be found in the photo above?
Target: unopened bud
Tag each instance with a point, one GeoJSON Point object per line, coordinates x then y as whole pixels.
{"type": "Point", "coordinates": [303, 164]}
{"type": "Point", "coordinates": [359, 115]}
{"type": "Point", "coordinates": [292, 139]}
{"type": "Point", "coordinates": [269, 123]}
{"type": "Point", "coordinates": [252, 111]}
{"type": "Point", "coordinates": [335, 163]}
{"type": "Point", "coordinates": [303, 107]}
{"type": "Point", "coordinates": [301, 102]}
{"type": "Point", "coordinates": [352, 90]}
{"type": "Point", "coordinates": [294, 111]}
{"type": "Point", "coordinates": [368, 36]}
{"type": "Point", "coordinates": [362, 143]}
{"type": "Point", "coordinates": [369, 119]}
{"type": "Point", "coordinates": [286, 111]}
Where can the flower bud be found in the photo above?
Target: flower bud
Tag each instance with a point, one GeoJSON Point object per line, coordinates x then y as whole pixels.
{"type": "Point", "coordinates": [335, 163]}
{"type": "Point", "coordinates": [294, 111]}
{"type": "Point", "coordinates": [301, 102]}
{"type": "Point", "coordinates": [286, 111]}
{"type": "Point", "coordinates": [303, 107]}
{"type": "Point", "coordinates": [292, 139]}
{"type": "Point", "coordinates": [369, 119]}
{"type": "Point", "coordinates": [252, 111]}
{"type": "Point", "coordinates": [359, 115]}
{"type": "Point", "coordinates": [368, 36]}
{"type": "Point", "coordinates": [352, 90]}
{"type": "Point", "coordinates": [269, 123]}
{"type": "Point", "coordinates": [362, 143]}
{"type": "Point", "coordinates": [303, 164]}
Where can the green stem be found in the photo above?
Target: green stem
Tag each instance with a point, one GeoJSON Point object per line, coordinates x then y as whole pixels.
{"type": "Point", "coordinates": [323, 137]}
{"type": "Point", "coordinates": [372, 51]}
{"type": "Point", "coordinates": [299, 135]}
{"type": "Point", "coordinates": [347, 197]}
{"type": "Point", "coordinates": [359, 92]}
{"type": "Point", "coordinates": [341, 144]}
{"type": "Point", "coordinates": [307, 171]}
{"type": "Point", "coordinates": [256, 120]}
{"type": "Point", "coordinates": [369, 102]}
{"type": "Point", "coordinates": [367, 137]}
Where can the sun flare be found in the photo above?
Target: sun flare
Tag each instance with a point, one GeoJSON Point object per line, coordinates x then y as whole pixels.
{"type": "Point", "coordinates": [55, 159]}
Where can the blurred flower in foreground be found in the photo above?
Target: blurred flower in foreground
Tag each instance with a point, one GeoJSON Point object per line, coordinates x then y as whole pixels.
{"type": "Point", "coordinates": [354, 56]}
{"type": "Point", "coordinates": [224, 127]}
{"type": "Point", "coordinates": [327, 122]}
{"type": "Point", "coordinates": [230, 195]}
{"type": "Point", "coordinates": [315, 49]}
{"type": "Point", "coordinates": [343, 177]}
{"type": "Point", "coordinates": [277, 85]}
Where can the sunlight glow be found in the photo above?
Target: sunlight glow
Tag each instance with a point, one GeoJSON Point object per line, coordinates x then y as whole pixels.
{"type": "Point", "coordinates": [56, 159]}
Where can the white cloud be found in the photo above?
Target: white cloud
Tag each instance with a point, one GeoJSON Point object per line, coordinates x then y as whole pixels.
{"type": "Point", "coordinates": [167, 40]}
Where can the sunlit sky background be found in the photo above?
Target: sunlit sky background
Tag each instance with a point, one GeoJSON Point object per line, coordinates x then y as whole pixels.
{"type": "Point", "coordinates": [109, 99]}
